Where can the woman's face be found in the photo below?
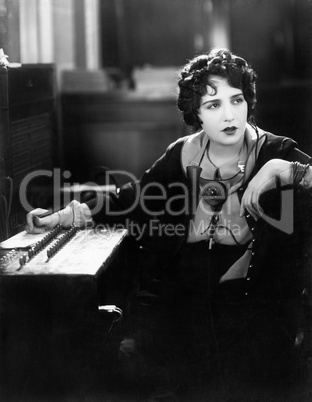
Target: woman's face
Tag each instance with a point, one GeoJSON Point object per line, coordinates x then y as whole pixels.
{"type": "Point", "coordinates": [223, 113]}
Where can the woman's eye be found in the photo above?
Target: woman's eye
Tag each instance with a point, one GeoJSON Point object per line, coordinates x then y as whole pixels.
{"type": "Point", "coordinates": [213, 106]}
{"type": "Point", "coordinates": [239, 100]}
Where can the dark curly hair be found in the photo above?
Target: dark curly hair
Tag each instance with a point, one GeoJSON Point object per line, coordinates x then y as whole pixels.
{"type": "Point", "coordinates": [194, 77]}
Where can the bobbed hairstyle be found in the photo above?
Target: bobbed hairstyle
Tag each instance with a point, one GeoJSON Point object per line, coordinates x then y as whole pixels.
{"type": "Point", "coordinates": [194, 78]}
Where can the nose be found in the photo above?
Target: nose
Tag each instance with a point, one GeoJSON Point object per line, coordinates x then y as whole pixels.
{"type": "Point", "coordinates": [228, 113]}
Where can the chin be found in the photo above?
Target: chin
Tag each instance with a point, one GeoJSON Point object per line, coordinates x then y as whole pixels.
{"type": "Point", "coordinates": [231, 141]}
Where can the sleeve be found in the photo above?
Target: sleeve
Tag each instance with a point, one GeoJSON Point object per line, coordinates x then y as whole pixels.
{"type": "Point", "coordinates": [75, 213]}
{"type": "Point", "coordinates": [295, 154]}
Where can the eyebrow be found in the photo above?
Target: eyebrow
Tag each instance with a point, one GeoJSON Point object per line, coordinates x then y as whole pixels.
{"type": "Point", "coordinates": [216, 100]}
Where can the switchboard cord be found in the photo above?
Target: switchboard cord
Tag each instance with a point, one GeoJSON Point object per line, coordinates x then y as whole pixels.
{"type": "Point", "coordinates": [7, 204]}
{"type": "Point", "coordinates": [117, 315]}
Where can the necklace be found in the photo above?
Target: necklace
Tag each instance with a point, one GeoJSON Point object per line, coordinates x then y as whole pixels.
{"type": "Point", "coordinates": [214, 192]}
{"type": "Point", "coordinates": [227, 171]}
{"type": "Point", "coordinates": [225, 163]}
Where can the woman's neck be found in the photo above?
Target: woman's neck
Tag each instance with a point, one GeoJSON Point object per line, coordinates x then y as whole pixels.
{"type": "Point", "coordinates": [221, 154]}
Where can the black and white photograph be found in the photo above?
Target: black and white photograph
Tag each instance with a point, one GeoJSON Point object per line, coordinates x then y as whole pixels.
{"type": "Point", "coordinates": [156, 200]}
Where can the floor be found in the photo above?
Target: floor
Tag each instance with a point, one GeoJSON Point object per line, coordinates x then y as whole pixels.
{"type": "Point", "coordinates": [114, 392]}
{"type": "Point", "coordinates": [70, 370]}
{"type": "Point", "coordinates": [101, 381]}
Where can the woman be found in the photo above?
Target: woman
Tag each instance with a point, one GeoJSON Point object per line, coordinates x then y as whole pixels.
{"type": "Point", "coordinates": [215, 224]}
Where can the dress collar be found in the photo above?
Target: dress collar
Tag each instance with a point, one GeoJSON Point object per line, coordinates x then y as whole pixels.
{"type": "Point", "coordinates": [195, 147]}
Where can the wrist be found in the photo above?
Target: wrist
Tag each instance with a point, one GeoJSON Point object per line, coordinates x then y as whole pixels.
{"type": "Point", "coordinates": [307, 179]}
{"type": "Point", "coordinates": [300, 173]}
{"type": "Point", "coordinates": [54, 219]}
{"type": "Point", "coordinates": [65, 217]}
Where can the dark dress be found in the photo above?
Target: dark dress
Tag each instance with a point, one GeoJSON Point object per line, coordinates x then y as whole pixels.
{"type": "Point", "coordinates": [187, 326]}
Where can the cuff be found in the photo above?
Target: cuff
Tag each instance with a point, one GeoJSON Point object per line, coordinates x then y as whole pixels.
{"type": "Point", "coordinates": [76, 213]}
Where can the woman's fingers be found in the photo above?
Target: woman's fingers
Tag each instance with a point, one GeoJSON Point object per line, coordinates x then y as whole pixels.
{"type": "Point", "coordinates": [31, 223]}
{"type": "Point", "coordinates": [250, 203]}
{"type": "Point", "coordinates": [34, 224]}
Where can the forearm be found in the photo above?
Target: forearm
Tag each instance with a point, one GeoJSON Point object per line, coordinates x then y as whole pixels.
{"type": "Point", "coordinates": [291, 172]}
{"type": "Point", "coordinates": [288, 173]}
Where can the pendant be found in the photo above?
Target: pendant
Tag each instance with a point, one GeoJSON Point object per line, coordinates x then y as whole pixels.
{"type": "Point", "coordinates": [211, 229]}
{"type": "Point", "coordinates": [214, 193]}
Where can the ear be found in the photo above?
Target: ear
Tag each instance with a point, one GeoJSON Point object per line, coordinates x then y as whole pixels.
{"type": "Point", "coordinates": [199, 121]}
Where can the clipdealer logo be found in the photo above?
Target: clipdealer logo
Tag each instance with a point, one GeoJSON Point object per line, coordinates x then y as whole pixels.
{"type": "Point", "coordinates": [144, 199]}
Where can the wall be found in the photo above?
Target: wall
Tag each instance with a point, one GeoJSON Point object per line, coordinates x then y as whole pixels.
{"type": "Point", "coordinates": [86, 35]}
{"type": "Point", "coordinates": [276, 38]}
{"type": "Point", "coordinates": [64, 32]}
{"type": "Point", "coordinates": [160, 33]}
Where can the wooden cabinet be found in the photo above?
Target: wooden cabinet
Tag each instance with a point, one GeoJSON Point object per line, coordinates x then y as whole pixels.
{"type": "Point", "coordinates": [53, 336]}
{"type": "Point", "coordinates": [123, 131]}
{"type": "Point", "coordinates": [28, 137]}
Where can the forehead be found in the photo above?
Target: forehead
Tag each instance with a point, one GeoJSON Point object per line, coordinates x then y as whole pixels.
{"type": "Point", "coordinates": [220, 86]}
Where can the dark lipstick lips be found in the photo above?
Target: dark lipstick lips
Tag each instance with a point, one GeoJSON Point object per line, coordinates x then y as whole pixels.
{"type": "Point", "coordinates": [230, 130]}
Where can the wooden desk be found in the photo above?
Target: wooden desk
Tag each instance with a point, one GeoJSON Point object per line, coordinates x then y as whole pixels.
{"type": "Point", "coordinates": [51, 329]}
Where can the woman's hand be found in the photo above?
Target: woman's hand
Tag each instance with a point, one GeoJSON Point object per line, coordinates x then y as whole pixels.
{"type": "Point", "coordinates": [40, 225]}
{"type": "Point", "coordinates": [264, 180]}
